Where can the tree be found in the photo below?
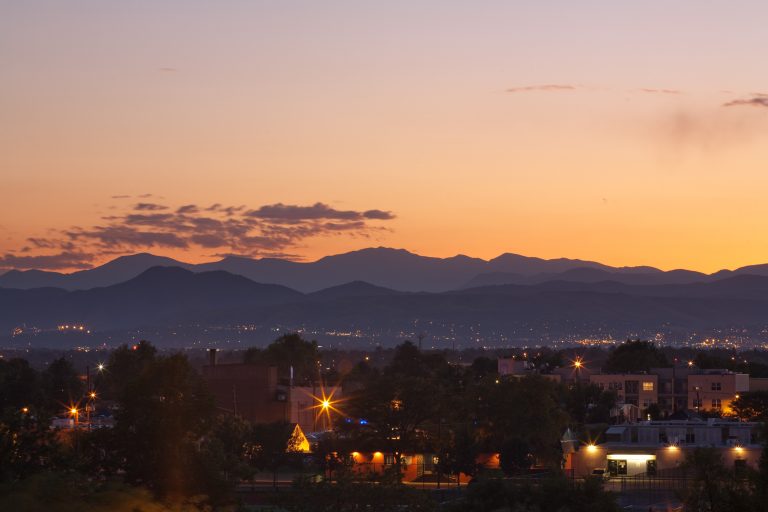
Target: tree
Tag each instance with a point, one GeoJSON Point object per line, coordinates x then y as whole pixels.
{"type": "Point", "coordinates": [164, 415]}
{"type": "Point", "coordinates": [61, 385]}
{"type": "Point", "coordinates": [291, 350]}
{"type": "Point", "coordinates": [634, 357]}
{"type": "Point", "coordinates": [515, 456]}
{"type": "Point", "coordinates": [714, 488]}
{"type": "Point", "coordinates": [759, 479]}
{"type": "Point", "coordinates": [751, 406]}
{"type": "Point", "coordinates": [459, 454]}
{"type": "Point", "coordinates": [20, 385]}
{"type": "Point", "coordinates": [484, 366]}
{"type": "Point", "coordinates": [526, 410]}
{"type": "Point", "coordinates": [274, 446]}
{"type": "Point", "coordinates": [555, 493]}
{"type": "Point", "coordinates": [125, 364]}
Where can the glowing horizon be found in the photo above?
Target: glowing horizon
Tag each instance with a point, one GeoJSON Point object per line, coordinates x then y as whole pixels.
{"type": "Point", "coordinates": [627, 135]}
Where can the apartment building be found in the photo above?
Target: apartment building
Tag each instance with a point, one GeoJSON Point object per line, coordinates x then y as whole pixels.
{"type": "Point", "coordinates": [640, 390]}
{"type": "Point", "coordinates": [715, 389]}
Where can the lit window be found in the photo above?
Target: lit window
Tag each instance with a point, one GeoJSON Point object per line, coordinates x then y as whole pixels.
{"type": "Point", "coordinates": [647, 386]}
{"type": "Point", "coordinates": [716, 403]}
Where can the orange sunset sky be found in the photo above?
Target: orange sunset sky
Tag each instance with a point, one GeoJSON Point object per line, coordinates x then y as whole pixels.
{"type": "Point", "coordinates": [632, 133]}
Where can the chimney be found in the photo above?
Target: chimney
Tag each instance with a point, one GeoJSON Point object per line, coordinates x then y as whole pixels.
{"type": "Point", "coordinates": [212, 356]}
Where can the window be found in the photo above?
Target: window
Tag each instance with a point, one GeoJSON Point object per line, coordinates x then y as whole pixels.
{"type": "Point", "coordinates": [632, 387]}
{"type": "Point", "coordinates": [716, 386]}
{"type": "Point", "coordinates": [690, 437]}
{"type": "Point", "coordinates": [716, 403]}
{"type": "Point", "coordinates": [617, 467]}
{"type": "Point", "coordinates": [647, 386]}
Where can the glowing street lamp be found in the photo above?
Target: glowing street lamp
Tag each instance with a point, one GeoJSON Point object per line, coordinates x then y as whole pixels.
{"type": "Point", "coordinates": [325, 404]}
{"type": "Point", "coordinates": [100, 367]}
{"type": "Point", "coordinates": [75, 413]}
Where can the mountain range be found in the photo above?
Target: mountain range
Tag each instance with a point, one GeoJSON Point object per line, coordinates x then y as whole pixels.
{"type": "Point", "coordinates": [173, 297]}
{"type": "Point", "coordinates": [395, 269]}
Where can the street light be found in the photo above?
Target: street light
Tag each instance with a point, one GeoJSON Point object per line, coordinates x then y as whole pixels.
{"type": "Point", "coordinates": [74, 411]}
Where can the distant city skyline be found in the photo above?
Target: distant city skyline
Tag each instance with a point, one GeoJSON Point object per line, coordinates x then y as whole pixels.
{"type": "Point", "coordinates": [624, 134]}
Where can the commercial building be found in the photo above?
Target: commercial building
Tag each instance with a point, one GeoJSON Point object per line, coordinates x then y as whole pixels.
{"type": "Point", "coordinates": [658, 448]}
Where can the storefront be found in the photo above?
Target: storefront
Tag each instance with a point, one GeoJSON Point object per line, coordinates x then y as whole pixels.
{"type": "Point", "coordinates": [630, 464]}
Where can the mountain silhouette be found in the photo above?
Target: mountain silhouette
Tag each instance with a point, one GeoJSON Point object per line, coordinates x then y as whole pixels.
{"type": "Point", "coordinates": [395, 269]}
{"type": "Point", "coordinates": [165, 297]}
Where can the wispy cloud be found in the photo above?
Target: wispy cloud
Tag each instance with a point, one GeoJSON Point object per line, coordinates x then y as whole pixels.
{"type": "Point", "coordinates": [268, 230]}
{"type": "Point", "coordinates": [660, 91]}
{"type": "Point", "coordinates": [150, 207]}
{"type": "Point", "coordinates": [543, 87]}
{"type": "Point", "coordinates": [758, 100]}
{"type": "Point", "coordinates": [57, 261]}
{"type": "Point", "coordinates": [290, 213]}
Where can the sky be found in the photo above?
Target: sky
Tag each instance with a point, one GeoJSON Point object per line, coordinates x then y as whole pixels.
{"type": "Point", "coordinates": [631, 133]}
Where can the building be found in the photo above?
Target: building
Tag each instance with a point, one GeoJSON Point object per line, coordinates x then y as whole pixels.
{"type": "Point", "coordinates": [714, 390]}
{"type": "Point", "coordinates": [658, 448]}
{"type": "Point", "coordinates": [570, 374]}
{"type": "Point", "coordinates": [640, 390]}
{"type": "Point", "coordinates": [677, 389]}
{"type": "Point", "coordinates": [516, 367]}
{"type": "Point", "coordinates": [758, 384]}
{"type": "Point", "coordinates": [673, 388]}
{"type": "Point", "coordinates": [253, 392]}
